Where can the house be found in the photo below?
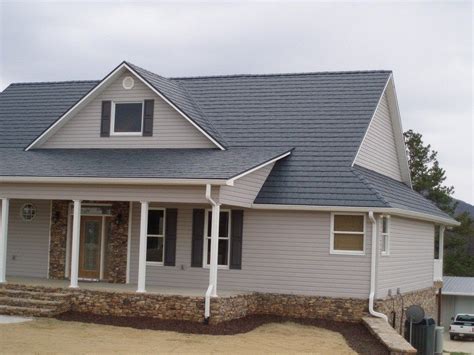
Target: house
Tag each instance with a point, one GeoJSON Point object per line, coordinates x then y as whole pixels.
{"type": "Point", "coordinates": [220, 197]}
{"type": "Point", "coordinates": [457, 296]}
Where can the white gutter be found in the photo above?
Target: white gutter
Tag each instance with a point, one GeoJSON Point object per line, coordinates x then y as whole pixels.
{"type": "Point", "coordinates": [372, 311]}
{"type": "Point", "coordinates": [383, 210]}
{"type": "Point", "coordinates": [108, 181]}
{"type": "Point", "coordinates": [210, 288]}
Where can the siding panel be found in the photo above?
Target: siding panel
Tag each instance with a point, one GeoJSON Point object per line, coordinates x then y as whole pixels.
{"type": "Point", "coordinates": [28, 242]}
{"type": "Point", "coordinates": [170, 129]}
{"type": "Point", "coordinates": [410, 263]}
{"type": "Point", "coordinates": [378, 151]}
{"type": "Point", "coordinates": [245, 189]}
{"type": "Point", "coordinates": [283, 251]}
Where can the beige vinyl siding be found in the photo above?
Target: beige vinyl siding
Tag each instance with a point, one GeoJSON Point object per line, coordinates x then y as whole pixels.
{"type": "Point", "coordinates": [245, 189]}
{"type": "Point", "coordinates": [283, 251]}
{"type": "Point", "coordinates": [178, 194]}
{"type": "Point", "coordinates": [410, 263]}
{"type": "Point", "coordinates": [378, 151]}
{"type": "Point", "coordinates": [28, 241]}
{"type": "Point", "coordinates": [170, 129]}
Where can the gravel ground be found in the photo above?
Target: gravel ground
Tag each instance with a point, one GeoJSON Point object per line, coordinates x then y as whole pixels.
{"type": "Point", "coordinates": [56, 336]}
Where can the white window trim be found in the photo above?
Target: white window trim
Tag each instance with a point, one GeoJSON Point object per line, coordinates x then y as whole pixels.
{"type": "Point", "coordinates": [386, 235]}
{"type": "Point", "coordinates": [363, 233]}
{"type": "Point", "coordinates": [205, 265]}
{"type": "Point", "coordinates": [112, 119]}
{"type": "Point", "coordinates": [158, 263]}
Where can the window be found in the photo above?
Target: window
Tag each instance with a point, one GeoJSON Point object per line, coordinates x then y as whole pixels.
{"type": "Point", "coordinates": [347, 234]}
{"type": "Point", "coordinates": [385, 236]}
{"type": "Point", "coordinates": [28, 212]}
{"type": "Point", "coordinates": [155, 244]}
{"type": "Point", "coordinates": [224, 239]}
{"type": "Point", "coordinates": [127, 118]}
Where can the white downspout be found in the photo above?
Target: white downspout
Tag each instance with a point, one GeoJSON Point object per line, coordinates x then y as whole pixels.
{"type": "Point", "coordinates": [372, 269]}
{"type": "Point", "coordinates": [211, 290]}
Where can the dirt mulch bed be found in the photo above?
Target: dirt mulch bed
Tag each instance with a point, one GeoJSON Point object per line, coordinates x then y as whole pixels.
{"type": "Point", "coordinates": [355, 334]}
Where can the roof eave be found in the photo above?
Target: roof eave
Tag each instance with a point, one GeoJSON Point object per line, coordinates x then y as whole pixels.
{"type": "Point", "coordinates": [387, 210]}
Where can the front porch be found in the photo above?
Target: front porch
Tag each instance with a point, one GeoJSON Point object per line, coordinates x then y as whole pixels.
{"type": "Point", "coordinates": [101, 286]}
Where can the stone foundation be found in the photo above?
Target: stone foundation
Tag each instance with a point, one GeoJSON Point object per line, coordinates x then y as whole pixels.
{"type": "Point", "coordinates": [395, 307]}
{"type": "Point", "coordinates": [191, 308]}
{"type": "Point", "coordinates": [116, 252]}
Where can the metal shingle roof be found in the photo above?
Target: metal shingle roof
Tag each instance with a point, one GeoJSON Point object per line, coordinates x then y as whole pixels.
{"type": "Point", "coordinates": [135, 163]}
{"type": "Point", "coordinates": [323, 115]}
{"type": "Point", "coordinates": [458, 285]}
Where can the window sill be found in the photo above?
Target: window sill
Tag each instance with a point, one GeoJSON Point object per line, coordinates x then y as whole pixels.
{"type": "Point", "coordinates": [126, 134]}
{"type": "Point", "coordinates": [385, 254]}
{"type": "Point", "coordinates": [219, 267]}
{"type": "Point", "coordinates": [154, 263]}
{"type": "Point", "coordinates": [347, 252]}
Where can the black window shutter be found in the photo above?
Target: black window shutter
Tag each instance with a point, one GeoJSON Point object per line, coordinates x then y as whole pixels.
{"type": "Point", "coordinates": [170, 236]}
{"type": "Point", "coordinates": [198, 238]}
{"type": "Point", "coordinates": [148, 118]}
{"type": "Point", "coordinates": [105, 119]}
{"type": "Point", "coordinates": [236, 225]}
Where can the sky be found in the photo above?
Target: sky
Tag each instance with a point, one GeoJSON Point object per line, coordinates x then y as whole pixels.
{"type": "Point", "coordinates": [427, 45]}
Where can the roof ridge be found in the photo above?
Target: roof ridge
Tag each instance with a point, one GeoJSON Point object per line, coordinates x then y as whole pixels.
{"type": "Point", "coordinates": [281, 74]}
{"type": "Point", "coordinates": [55, 82]}
{"type": "Point", "coordinates": [370, 187]}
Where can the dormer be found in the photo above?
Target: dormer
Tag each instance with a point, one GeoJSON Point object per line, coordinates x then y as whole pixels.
{"type": "Point", "coordinates": [127, 109]}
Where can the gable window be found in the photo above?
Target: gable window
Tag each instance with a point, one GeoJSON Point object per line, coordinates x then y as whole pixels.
{"type": "Point", "coordinates": [155, 245]}
{"type": "Point", "coordinates": [347, 234]}
{"type": "Point", "coordinates": [385, 236]}
{"type": "Point", "coordinates": [127, 118]}
{"type": "Point", "coordinates": [224, 239]}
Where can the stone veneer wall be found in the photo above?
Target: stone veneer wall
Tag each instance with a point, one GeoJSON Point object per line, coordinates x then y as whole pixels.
{"type": "Point", "coordinates": [58, 239]}
{"type": "Point", "coordinates": [425, 298]}
{"type": "Point", "coordinates": [116, 252]}
{"type": "Point", "coordinates": [117, 245]}
{"type": "Point", "coordinates": [191, 308]}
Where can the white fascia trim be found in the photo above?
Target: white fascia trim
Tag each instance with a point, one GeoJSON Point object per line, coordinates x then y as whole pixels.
{"type": "Point", "coordinates": [386, 210]}
{"type": "Point", "coordinates": [397, 129]}
{"type": "Point", "coordinates": [231, 181]}
{"type": "Point", "coordinates": [114, 181]}
{"type": "Point", "coordinates": [175, 107]}
{"type": "Point", "coordinates": [109, 77]}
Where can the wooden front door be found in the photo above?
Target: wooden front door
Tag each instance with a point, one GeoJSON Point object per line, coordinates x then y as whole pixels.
{"type": "Point", "coordinates": [89, 252]}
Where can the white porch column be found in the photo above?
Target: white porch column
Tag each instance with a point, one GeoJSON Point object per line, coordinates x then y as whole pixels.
{"type": "Point", "coordinates": [76, 235]}
{"type": "Point", "coordinates": [441, 248]}
{"type": "Point", "coordinates": [216, 209]}
{"type": "Point", "coordinates": [3, 239]}
{"type": "Point", "coordinates": [142, 251]}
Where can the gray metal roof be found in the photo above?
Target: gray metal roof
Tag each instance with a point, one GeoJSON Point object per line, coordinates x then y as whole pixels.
{"type": "Point", "coordinates": [458, 285]}
{"type": "Point", "coordinates": [135, 163]}
{"type": "Point", "coordinates": [322, 115]}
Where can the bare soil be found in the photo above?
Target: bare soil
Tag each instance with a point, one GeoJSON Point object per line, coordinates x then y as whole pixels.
{"type": "Point", "coordinates": [56, 336]}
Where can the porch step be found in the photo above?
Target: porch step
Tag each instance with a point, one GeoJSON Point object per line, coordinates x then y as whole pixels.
{"type": "Point", "coordinates": [33, 302]}
{"type": "Point", "coordinates": [36, 295]}
{"type": "Point", "coordinates": [30, 302]}
{"type": "Point", "coordinates": [28, 311]}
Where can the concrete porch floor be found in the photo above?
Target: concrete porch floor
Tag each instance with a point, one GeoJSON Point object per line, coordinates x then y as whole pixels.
{"type": "Point", "coordinates": [110, 287]}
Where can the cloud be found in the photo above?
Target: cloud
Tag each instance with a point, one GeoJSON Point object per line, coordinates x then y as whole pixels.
{"type": "Point", "coordinates": [428, 45]}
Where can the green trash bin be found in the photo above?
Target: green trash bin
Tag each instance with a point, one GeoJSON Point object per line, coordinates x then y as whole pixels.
{"type": "Point", "coordinates": [422, 336]}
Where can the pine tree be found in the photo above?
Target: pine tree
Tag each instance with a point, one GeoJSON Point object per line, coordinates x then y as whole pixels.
{"type": "Point", "coordinates": [426, 175]}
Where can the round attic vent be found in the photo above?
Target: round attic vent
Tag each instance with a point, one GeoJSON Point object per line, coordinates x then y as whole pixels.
{"type": "Point", "coordinates": [128, 82]}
